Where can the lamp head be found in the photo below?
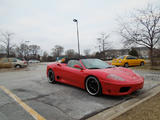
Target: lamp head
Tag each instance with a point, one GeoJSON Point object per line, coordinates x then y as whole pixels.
{"type": "Point", "coordinates": [75, 20]}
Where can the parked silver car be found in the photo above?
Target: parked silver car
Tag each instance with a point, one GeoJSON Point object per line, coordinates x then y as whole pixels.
{"type": "Point", "coordinates": [12, 62]}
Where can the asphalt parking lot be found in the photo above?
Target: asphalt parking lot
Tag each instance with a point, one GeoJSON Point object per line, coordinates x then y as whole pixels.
{"type": "Point", "coordinates": [56, 101]}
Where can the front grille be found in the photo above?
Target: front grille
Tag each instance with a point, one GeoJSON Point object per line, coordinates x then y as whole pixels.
{"type": "Point", "coordinates": [124, 89]}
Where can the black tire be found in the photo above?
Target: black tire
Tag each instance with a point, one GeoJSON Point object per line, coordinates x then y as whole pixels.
{"type": "Point", "coordinates": [18, 66]}
{"type": "Point", "coordinates": [142, 64]}
{"type": "Point", "coordinates": [93, 86]}
{"type": "Point", "coordinates": [126, 65]}
{"type": "Point", "coordinates": [51, 77]}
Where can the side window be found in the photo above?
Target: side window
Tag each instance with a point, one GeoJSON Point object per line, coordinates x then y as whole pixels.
{"type": "Point", "coordinates": [71, 63]}
{"type": "Point", "coordinates": [134, 57]}
{"type": "Point", "coordinates": [129, 57]}
{"type": "Point", "coordinates": [5, 60]}
{"type": "Point", "coordinates": [12, 60]}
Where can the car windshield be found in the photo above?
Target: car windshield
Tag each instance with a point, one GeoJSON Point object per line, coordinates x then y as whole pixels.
{"type": "Point", "coordinates": [95, 64]}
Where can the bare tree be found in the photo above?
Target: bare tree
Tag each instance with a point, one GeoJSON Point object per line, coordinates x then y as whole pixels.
{"type": "Point", "coordinates": [143, 29]}
{"type": "Point", "coordinates": [103, 44]}
{"type": "Point", "coordinates": [2, 48]}
{"type": "Point", "coordinates": [45, 56]}
{"type": "Point", "coordinates": [5, 39]}
{"type": "Point", "coordinates": [57, 50]}
{"type": "Point", "coordinates": [70, 53]}
{"type": "Point", "coordinates": [87, 52]}
{"type": "Point", "coordinates": [34, 49]}
{"type": "Point", "coordinates": [23, 50]}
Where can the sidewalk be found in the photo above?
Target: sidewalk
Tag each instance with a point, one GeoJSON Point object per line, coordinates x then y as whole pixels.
{"type": "Point", "coordinates": [148, 110]}
{"type": "Point", "coordinates": [143, 107]}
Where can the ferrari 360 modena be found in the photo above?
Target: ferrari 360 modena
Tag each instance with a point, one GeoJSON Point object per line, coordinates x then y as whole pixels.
{"type": "Point", "coordinates": [95, 76]}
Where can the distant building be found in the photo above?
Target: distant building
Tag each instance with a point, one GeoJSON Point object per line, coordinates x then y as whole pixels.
{"type": "Point", "coordinates": [143, 52]}
{"type": "Point", "coordinates": [114, 53]}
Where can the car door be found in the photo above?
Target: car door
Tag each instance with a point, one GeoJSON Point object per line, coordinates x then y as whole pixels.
{"type": "Point", "coordinates": [73, 76]}
{"type": "Point", "coordinates": [129, 60]}
{"type": "Point", "coordinates": [135, 60]}
{"type": "Point", "coordinates": [5, 63]}
{"type": "Point", "coordinates": [13, 61]}
{"type": "Point", "coordinates": [1, 63]}
{"type": "Point", "coordinates": [58, 69]}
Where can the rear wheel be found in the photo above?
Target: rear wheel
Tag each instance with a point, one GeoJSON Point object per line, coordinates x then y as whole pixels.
{"type": "Point", "coordinates": [51, 77]}
{"type": "Point", "coordinates": [93, 86]}
{"type": "Point", "coordinates": [142, 64]}
{"type": "Point", "coordinates": [18, 66]}
{"type": "Point", "coordinates": [126, 65]}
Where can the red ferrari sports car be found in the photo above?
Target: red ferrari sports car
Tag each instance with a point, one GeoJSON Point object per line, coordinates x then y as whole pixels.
{"type": "Point", "coordinates": [95, 76]}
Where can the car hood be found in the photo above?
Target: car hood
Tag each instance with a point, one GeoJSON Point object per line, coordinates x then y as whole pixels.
{"type": "Point", "coordinates": [127, 74]}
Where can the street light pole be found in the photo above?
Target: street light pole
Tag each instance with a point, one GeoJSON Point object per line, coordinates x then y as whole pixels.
{"type": "Point", "coordinates": [75, 20]}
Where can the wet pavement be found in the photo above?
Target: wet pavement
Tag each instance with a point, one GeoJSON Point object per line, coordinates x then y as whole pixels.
{"type": "Point", "coordinates": [56, 101]}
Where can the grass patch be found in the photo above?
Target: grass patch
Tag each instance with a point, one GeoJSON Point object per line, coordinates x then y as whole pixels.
{"type": "Point", "coordinates": [148, 110]}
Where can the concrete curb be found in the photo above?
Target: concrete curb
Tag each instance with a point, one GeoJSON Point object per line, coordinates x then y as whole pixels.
{"type": "Point", "coordinates": [117, 110]}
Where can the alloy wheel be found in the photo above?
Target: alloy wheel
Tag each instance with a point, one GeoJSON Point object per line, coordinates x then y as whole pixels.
{"type": "Point", "coordinates": [51, 77]}
{"type": "Point", "coordinates": [93, 86]}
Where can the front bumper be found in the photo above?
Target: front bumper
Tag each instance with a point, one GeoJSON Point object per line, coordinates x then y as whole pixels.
{"type": "Point", "coordinates": [120, 89]}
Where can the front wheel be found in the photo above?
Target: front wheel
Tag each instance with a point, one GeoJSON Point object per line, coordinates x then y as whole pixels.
{"type": "Point", "coordinates": [51, 77]}
{"type": "Point", "coordinates": [93, 86]}
{"type": "Point", "coordinates": [18, 66]}
{"type": "Point", "coordinates": [126, 65]}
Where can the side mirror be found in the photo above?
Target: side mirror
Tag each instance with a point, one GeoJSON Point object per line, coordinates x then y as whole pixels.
{"type": "Point", "coordinates": [78, 66]}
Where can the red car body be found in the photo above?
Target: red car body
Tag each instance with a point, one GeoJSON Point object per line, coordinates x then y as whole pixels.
{"type": "Point", "coordinates": [77, 77]}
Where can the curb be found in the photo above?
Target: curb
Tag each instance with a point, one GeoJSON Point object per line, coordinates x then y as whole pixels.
{"type": "Point", "coordinates": [117, 110]}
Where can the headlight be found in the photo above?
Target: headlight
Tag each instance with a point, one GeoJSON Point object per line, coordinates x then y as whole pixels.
{"type": "Point", "coordinates": [115, 77]}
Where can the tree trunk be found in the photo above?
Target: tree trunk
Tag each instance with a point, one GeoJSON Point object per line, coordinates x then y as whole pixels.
{"type": "Point", "coordinates": [104, 55]}
{"type": "Point", "coordinates": [151, 55]}
{"type": "Point", "coordinates": [8, 51]}
{"type": "Point", "coordinates": [8, 46]}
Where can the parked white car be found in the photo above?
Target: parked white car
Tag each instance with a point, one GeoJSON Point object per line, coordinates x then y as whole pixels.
{"type": "Point", "coordinates": [33, 61]}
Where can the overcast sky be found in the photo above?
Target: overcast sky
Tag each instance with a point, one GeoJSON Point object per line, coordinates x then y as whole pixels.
{"type": "Point", "coordinates": [50, 22]}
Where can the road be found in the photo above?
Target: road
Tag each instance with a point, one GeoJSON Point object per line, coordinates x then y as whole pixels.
{"type": "Point", "coordinates": [56, 101]}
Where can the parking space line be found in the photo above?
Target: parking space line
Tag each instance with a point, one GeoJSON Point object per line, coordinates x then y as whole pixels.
{"type": "Point", "coordinates": [32, 112]}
